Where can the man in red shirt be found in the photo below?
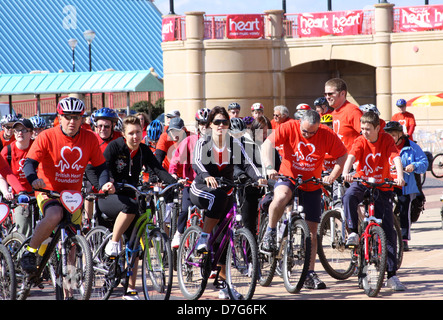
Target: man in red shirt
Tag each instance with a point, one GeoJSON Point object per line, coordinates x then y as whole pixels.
{"type": "Point", "coordinates": [305, 144]}
{"type": "Point", "coordinates": [61, 155]}
{"type": "Point", "coordinates": [281, 115]}
{"type": "Point", "coordinates": [372, 150]}
{"type": "Point", "coordinates": [406, 119]}
{"type": "Point", "coordinates": [346, 115]}
{"type": "Point", "coordinates": [7, 136]}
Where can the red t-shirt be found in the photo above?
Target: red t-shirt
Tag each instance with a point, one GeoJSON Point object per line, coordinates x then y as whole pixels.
{"type": "Point", "coordinates": [305, 156]}
{"type": "Point", "coordinates": [346, 122]}
{"type": "Point", "coordinates": [18, 157]}
{"type": "Point", "coordinates": [63, 159]}
{"type": "Point", "coordinates": [407, 120]}
{"type": "Point", "coordinates": [373, 158]}
{"type": "Point", "coordinates": [104, 143]}
{"type": "Point", "coordinates": [6, 142]}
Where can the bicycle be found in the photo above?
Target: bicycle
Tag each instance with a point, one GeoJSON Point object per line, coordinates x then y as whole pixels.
{"type": "Point", "coordinates": [293, 244]}
{"type": "Point", "coordinates": [65, 255]}
{"type": "Point", "coordinates": [8, 281]}
{"type": "Point", "coordinates": [147, 240]}
{"type": "Point", "coordinates": [194, 268]}
{"type": "Point", "coordinates": [437, 166]}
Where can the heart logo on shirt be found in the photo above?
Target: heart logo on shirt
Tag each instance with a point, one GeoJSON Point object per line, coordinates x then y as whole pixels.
{"type": "Point", "coordinates": [305, 150]}
{"type": "Point", "coordinates": [370, 166]}
{"type": "Point", "coordinates": [4, 212]}
{"type": "Point", "coordinates": [70, 158]}
{"type": "Point", "coordinates": [336, 128]}
{"type": "Point", "coordinates": [71, 200]}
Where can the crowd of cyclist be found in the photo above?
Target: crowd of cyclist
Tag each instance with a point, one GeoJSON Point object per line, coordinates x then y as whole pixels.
{"type": "Point", "coordinates": [123, 149]}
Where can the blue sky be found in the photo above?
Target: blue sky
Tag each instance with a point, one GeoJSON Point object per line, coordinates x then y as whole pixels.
{"type": "Point", "coordinates": [259, 6]}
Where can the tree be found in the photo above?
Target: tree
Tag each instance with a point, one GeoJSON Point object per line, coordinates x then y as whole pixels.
{"type": "Point", "coordinates": [144, 106]}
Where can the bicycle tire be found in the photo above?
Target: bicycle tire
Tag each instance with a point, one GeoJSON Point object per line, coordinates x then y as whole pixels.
{"type": "Point", "coordinates": [296, 256]}
{"type": "Point", "coordinates": [267, 261]}
{"type": "Point", "coordinates": [191, 276]}
{"type": "Point", "coordinates": [399, 239]}
{"type": "Point", "coordinates": [242, 266]}
{"type": "Point", "coordinates": [102, 286]}
{"type": "Point", "coordinates": [78, 280]}
{"type": "Point", "coordinates": [8, 281]}
{"type": "Point", "coordinates": [13, 242]}
{"type": "Point", "coordinates": [157, 270]}
{"type": "Point", "coordinates": [372, 271]}
{"type": "Point", "coordinates": [437, 166]}
{"type": "Point", "coordinates": [337, 261]}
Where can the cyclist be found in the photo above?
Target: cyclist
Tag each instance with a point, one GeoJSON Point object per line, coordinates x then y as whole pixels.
{"type": "Point", "coordinates": [305, 144]}
{"type": "Point", "coordinates": [15, 153]}
{"type": "Point", "coordinates": [248, 121]}
{"type": "Point", "coordinates": [346, 115]}
{"type": "Point", "coordinates": [181, 159]}
{"type": "Point", "coordinates": [61, 155]}
{"type": "Point", "coordinates": [406, 119]}
{"type": "Point", "coordinates": [238, 128]}
{"type": "Point", "coordinates": [126, 157]}
{"type": "Point", "coordinates": [144, 121]}
{"type": "Point", "coordinates": [257, 109]}
{"type": "Point", "coordinates": [39, 124]}
{"type": "Point", "coordinates": [372, 150]}
{"type": "Point", "coordinates": [234, 110]}
{"type": "Point", "coordinates": [153, 133]}
{"type": "Point", "coordinates": [301, 109]}
{"type": "Point", "coordinates": [281, 115]}
{"type": "Point", "coordinates": [7, 137]}
{"type": "Point", "coordinates": [321, 105]}
{"type": "Point", "coordinates": [414, 163]}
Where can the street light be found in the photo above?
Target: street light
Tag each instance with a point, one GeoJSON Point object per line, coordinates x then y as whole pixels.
{"type": "Point", "coordinates": [89, 36]}
{"type": "Point", "coordinates": [171, 7]}
{"type": "Point", "coordinates": [73, 43]}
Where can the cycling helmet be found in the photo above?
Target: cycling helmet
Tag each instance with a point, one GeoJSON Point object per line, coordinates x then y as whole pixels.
{"type": "Point", "coordinates": [369, 107]}
{"type": "Point", "coordinates": [326, 118]}
{"type": "Point", "coordinates": [105, 113]}
{"type": "Point", "coordinates": [119, 125]}
{"type": "Point", "coordinates": [9, 118]}
{"type": "Point", "coordinates": [71, 105]}
{"type": "Point", "coordinates": [234, 105]}
{"type": "Point", "coordinates": [202, 115]}
{"type": "Point", "coordinates": [248, 120]}
{"type": "Point", "coordinates": [303, 106]}
{"type": "Point", "coordinates": [237, 125]}
{"type": "Point", "coordinates": [154, 130]}
{"type": "Point", "coordinates": [257, 106]}
{"type": "Point", "coordinates": [38, 122]}
{"type": "Point", "coordinates": [321, 102]}
{"type": "Point", "coordinates": [393, 126]}
{"type": "Point", "coordinates": [401, 103]}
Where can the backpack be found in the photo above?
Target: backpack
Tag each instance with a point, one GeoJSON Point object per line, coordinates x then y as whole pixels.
{"type": "Point", "coordinates": [418, 204]}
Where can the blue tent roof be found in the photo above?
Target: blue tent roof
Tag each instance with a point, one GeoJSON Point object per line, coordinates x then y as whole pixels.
{"type": "Point", "coordinates": [79, 82]}
{"type": "Point", "coordinates": [34, 35]}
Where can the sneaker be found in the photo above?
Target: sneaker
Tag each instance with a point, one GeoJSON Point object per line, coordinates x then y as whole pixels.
{"type": "Point", "coordinates": [268, 243]}
{"type": "Point", "coordinates": [29, 262]}
{"type": "Point", "coordinates": [202, 243]}
{"type": "Point", "coordinates": [395, 284]}
{"type": "Point", "coordinates": [313, 282]}
{"type": "Point", "coordinates": [224, 295]}
{"type": "Point", "coordinates": [112, 248]}
{"type": "Point", "coordinates": [353, 239]}
{"type": "Point", "coordinates": [405, 245]}
{"type": "Point", "coordinates": [175, 243]}
{"type": "Point", "coordinates": [131, 295]}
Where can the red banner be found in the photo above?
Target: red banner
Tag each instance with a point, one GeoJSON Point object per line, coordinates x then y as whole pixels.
{"type": "Point", "coordinates": [421, 18]}
{"type": "Point", "coordinates": [339, 23]}
{"type": "Point", "coordinates": [245, 26]}
{"type": "Point", "coordinates": [168, 29]}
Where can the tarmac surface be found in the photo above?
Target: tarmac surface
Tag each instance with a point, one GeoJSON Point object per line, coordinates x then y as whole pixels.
{"type": "Point", "coordinates": [421, 271]}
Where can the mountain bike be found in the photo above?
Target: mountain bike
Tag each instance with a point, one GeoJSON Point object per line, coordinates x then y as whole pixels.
{"type": "Point", "coordinates": [240, 247]}
{"type": "Point", "coordinates": [66, 255]}
{"type": "Point", "coordinates": [8, 282]}
{"type": "Point", "coordinates": [147, 241]}
{"type": "Point", "coordinates": [293, 244]}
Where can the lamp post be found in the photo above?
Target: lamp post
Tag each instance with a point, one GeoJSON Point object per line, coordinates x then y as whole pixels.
{"type": "Point", "coordinates": [73, 43]}
{"type": "Point", "coordinates": [171, 7]}
{"type": "Point", "coordinates": [89, 36]}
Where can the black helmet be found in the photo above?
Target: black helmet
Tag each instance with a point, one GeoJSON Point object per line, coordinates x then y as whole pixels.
{"type": "Point", "coordinates": [393, 126]}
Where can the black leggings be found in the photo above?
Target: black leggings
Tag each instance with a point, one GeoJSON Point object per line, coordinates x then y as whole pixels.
{"type": "Point", "coordinates": [217, 202]}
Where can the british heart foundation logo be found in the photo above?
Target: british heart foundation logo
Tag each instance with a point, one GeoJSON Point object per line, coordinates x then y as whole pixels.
{"type": "Point", "coordinates": [70, 158]}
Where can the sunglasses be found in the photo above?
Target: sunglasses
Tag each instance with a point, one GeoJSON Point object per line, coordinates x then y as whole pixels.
{"type": "Point", "coordinates": [218, 122]}
{"type": "Point", "coordinates": [70, 117]}
{"type": "Point", "coordinates": [7, 127]}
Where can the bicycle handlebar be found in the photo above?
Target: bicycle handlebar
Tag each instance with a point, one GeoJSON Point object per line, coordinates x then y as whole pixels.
{"type": "Point", "coordinates": [373, 184]}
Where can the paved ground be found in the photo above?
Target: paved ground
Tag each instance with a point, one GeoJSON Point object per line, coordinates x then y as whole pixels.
{"type": "Point", "coordinates": [421, 271]}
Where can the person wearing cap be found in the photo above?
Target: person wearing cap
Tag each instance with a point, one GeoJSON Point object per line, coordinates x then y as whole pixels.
{"type": "Point", "coordinates": [406, 119]}
{"type": "Point", "coordinates": [170, 115]}
{"type": "Point", "coordinates": [234, 110]}
{"type": "Point", "coordinates": [414, 163]}
{"type": "Point", "coordinates": [257, 110]}
{"type": "Point", "coordinates": [15, 153]}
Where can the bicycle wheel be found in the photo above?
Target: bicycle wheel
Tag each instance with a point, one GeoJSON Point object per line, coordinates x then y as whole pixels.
{"type": "Point", "coordinates": [266, 261]}
{"type": "Point", "coordinates": [76, 281]}
{"type": "Point", "coordinates": [296, 256]}
{"type": "Point", "coordinates": [192, 278]}
{"type": "Point", "coordinates": [102, 286]}
{"type": "Point", "coordinates": [242, 266]}
{"type": "Point", "coordinates": [372, 270]}
{"type": "Point", "coordinates": [399, 238]}
{"type": "Point", "coordinates": [8, 285]}
{"type": "Point", "coordinates": [437, 166]}
{"type": "Point", "coordinates": [13, 242]}
{"type": "Point", "coordinates": [331, 239]}
{"type": "Point", "coordinates": [157, 266]}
